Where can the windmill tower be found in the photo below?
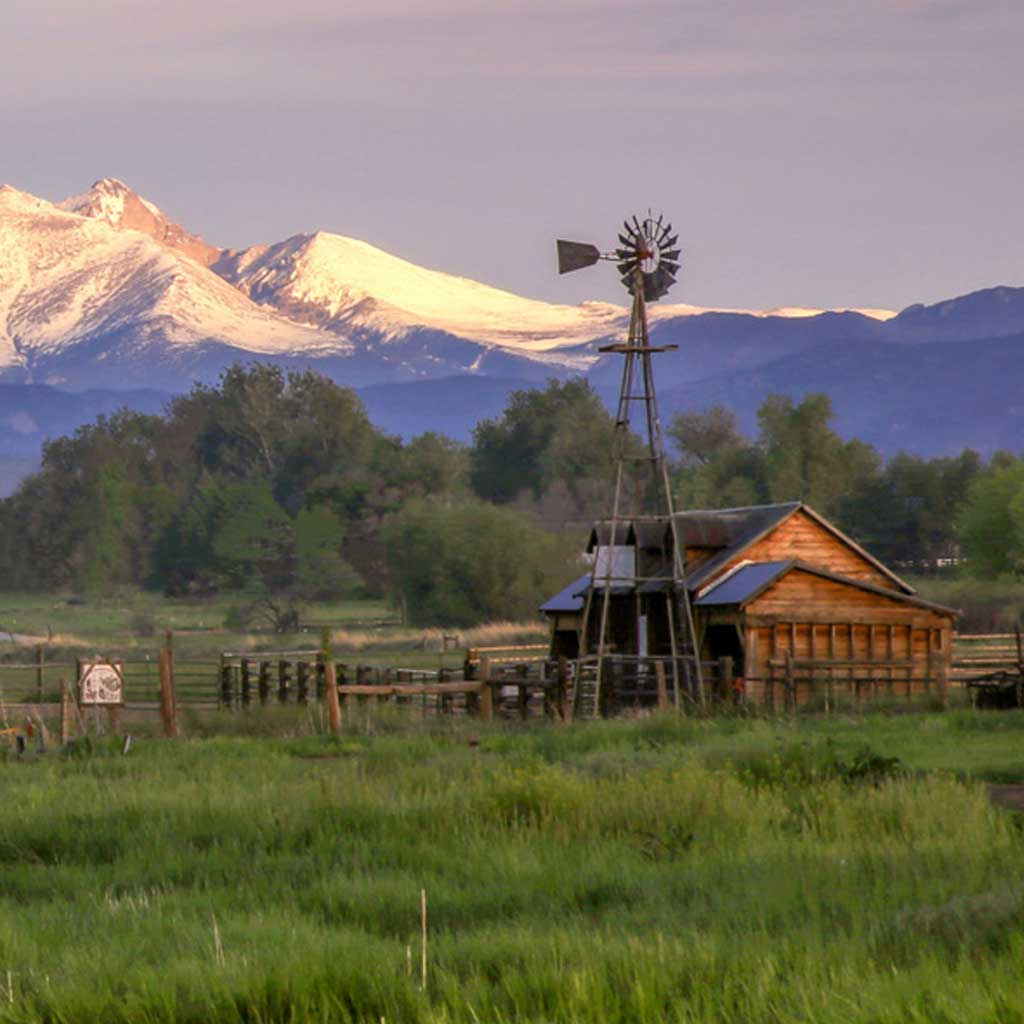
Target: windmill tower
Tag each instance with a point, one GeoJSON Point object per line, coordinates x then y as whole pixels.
{"type": "Point", "coordinates": [647, 260]}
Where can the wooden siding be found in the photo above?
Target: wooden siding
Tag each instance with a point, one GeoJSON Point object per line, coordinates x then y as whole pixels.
{"type": "Point", "coordinates": [819, 620]}
{"type": "Point", "coordinates": [802, 538]}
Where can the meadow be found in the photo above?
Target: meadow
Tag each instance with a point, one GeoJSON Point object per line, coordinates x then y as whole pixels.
{"type": "Point", "coordinates": [656, 869]}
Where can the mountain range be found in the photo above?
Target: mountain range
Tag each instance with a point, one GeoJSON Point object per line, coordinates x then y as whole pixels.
{"type": "Point", "coordinates": [105, 298]}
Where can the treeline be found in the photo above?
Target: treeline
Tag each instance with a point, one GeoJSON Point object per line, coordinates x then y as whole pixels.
{"type": "Point", "coordinates": [919, 514]}
{"type": "Point", "coordinates": [276, 487]}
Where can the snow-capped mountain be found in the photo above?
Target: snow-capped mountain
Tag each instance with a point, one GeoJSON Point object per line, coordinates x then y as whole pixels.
{"type": "Point", "coordinates": [121, 207]}
{"type": "Point", "coordinates": [104, 290]}
{"type": "Point", "coordinates": [82, 301]}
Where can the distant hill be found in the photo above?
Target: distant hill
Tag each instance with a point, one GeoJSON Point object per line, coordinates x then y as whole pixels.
{"type": "Point", "coordinates": [930, 400]}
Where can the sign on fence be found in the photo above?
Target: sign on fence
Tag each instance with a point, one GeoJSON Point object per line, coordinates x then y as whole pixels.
{"type": "Point", "coordinates": [101, 682]}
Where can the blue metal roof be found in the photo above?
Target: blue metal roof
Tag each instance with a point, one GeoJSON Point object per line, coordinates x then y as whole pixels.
{"type": "Point", "coordinates": [744, 583]}
{"type": "Point", "coordinates": [570, 599]}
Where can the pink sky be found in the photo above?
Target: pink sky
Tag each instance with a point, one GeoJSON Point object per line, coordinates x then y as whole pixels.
{"type": "Point", "coordinates": [829, 153]}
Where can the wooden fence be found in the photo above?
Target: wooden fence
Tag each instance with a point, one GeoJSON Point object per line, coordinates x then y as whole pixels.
{"type": "Point", "coordinates": [518, 681]}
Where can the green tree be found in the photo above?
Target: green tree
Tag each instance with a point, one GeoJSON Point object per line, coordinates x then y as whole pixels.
{"type": "Point", "coordinates": [561, 433]}
{"type": "Point", "coordinates": [703, 437]}
{"type": "Point", "coordinates": [461, 564]}
{"type": "Point", "coordinates": [804, 458]}
{"type": "Point", "coordinates": [992, 521]}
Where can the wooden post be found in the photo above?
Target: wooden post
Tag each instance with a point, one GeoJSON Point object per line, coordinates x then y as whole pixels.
{"type": "Point", "coordinates": [790, 682]}
{"type": "Point", "coordinates": [168, 708]}
{"type": "Point", "coordinates": [726, 673]}
{"type": "Point", "coordinates": [65, 713]}
{"type": "Point", "coordinates": [333, 704]}
{"type": "Point", "coordinates": [659, 675]}
{"type": "Point", "coordinates": [246, 682]}
{"type": "Point", "coordinates": [321, 676]}
{"type": "Point", "coordinates": [227, 697]}
{"type": "Point", "coordinates": [39, 673]}
{"type": "Point", "coordinates": [263, 682]}
{"type": "Point", "coordinates": [486, 694]}
{"type": "Point", "coordinates": [302, 680]}
{"type": "Point", "coordinates": [283, 680]}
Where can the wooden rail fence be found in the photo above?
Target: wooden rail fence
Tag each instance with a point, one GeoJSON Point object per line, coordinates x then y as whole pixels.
{"type": "Point", "coordinates": [519, 681]}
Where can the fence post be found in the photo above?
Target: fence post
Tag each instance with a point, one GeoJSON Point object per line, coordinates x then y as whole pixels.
{"type": "Point", "coordinates": [39, 674]}
{"type": "Point", "coordinates": [562, 692]}
{"type": "Point", "coordinates": [264, 682]}
{"type": "Point", "coordinates": [486, 693]}
{"type": "Point", "coordinates": [790, 681]}
{"type": "Point", "coordinates": [227, 695]}
{"type": "Point", "coordinates": [168, 704]}
{"type": "Point", "coordinates": [659, 676]}
{"type": "Point", "coordinates": [243, 671]}
{"type": "Point", "coordinates": [302, 681]}
{"type": "Point", "coordinates": [65, 717]}
{"type": "Point", "coordinates": [333, 704]}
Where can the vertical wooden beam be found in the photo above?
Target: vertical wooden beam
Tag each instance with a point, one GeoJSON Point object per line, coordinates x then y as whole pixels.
{"type": "Point", "coordinates": [65, 713]}
{"type": "Point", "coordinates": [913, 664]}
{"type": "Point", "coordinates": [890, 649]}
{"type": "Point", "coordinates": [168, 704]}
{"type": "Point", "coordinates": [39, 673]}
{"type": "Point", "coordinates": [564, 704]}
{"type": "Point", "coordinates": [486, 693]}
{"type": "Point", "coordinates": [726, 673]}
{"type": "Point", "coordinates": [790, 682]}
{"type": "Point", "coordinates": [333, 704]}
{"type": "Point", "coordinates": [659, 675]}
{"type": "Point", "coordinates": [243, 670]}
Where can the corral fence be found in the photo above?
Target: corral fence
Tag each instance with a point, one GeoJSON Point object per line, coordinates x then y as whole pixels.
{"type": "Point", "coordinates": [519, 681]}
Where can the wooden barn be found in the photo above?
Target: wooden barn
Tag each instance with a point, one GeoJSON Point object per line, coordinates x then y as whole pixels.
{"type": "Point", "coordinates": [786, 607]}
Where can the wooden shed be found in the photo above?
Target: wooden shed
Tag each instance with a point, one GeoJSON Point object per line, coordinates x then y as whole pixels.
{"type": "Point", "coordinates": [799, 609]}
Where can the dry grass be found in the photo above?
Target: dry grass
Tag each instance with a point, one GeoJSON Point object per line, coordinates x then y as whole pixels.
{"type": "Point", "coordinates": [490, 634]}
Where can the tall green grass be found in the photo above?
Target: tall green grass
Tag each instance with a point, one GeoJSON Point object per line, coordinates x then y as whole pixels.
{"type": "Point", "coordinates": [660, 869]}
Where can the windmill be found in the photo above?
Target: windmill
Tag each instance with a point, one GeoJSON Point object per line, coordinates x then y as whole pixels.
{"type": "Point", "coordinates": [648, 259]}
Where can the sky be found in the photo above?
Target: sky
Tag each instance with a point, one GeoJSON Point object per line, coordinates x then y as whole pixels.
{"type": "Point", "coordinates": [810, 152]}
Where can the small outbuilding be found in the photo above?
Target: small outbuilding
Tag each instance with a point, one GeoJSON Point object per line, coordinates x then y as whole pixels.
{"type": "Point", "coordinates": [786, 607]}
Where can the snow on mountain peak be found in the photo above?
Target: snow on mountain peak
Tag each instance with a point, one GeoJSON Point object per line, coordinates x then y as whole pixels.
{"type": "Point", "coordinates": [111, 200]}
{"type": "Point", "coordinates": [342, 283]}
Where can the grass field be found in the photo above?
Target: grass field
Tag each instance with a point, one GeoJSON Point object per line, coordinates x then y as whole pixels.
{"type": "Point", "coordinates": [131, 623]}
{"type": "Point", "coordinates": [648, 870]}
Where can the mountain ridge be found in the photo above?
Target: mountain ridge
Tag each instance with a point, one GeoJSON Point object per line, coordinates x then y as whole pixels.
{"type": "Point", "coordinates": [103, 291]}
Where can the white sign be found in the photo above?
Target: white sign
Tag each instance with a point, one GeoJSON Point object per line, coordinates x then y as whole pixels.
{"type": "Point", "coordinates": [101, 682]}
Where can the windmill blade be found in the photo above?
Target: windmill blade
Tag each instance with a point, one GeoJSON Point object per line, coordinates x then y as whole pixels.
{"type": "Point", "coordinates": [576, 255]}
{"type": "Point", "coordinates": [671, 243]}
{"type": "Point", "coordinates": [671, 254]}
{"type": "Point", "coordinates": [665, 232]}
{"type": "Point", "coordinates": [639, 230]}
{"type": "Point", "coordinates": [626, 240]}
{"type": "Point", "coordinates": [657, 284]}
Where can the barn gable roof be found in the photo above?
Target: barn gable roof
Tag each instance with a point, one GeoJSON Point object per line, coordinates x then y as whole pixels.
{"type": "Point", "coordinates": [733, 530]}
{"type": "Point", "coordinates": [748, 582]}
